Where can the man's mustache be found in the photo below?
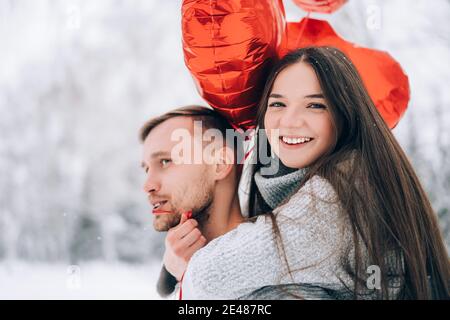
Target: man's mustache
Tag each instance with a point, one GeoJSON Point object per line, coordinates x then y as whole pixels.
{"type": "Point", "coordinates": [153, 198]}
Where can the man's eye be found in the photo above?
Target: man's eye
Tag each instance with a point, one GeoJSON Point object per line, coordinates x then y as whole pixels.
{"type": "Point", "coordinates": [277, 104]}
{"type": "Point", "coordinates": [317, 106]}
{"type": "Point", "coordinates": [165, 162]}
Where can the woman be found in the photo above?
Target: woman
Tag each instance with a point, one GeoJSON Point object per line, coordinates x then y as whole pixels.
{"type": "Point", "coordinates": [357, 204]}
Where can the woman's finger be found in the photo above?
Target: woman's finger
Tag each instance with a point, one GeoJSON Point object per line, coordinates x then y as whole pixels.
{"type": "Point", "coordinates": [190, 238]}
{"type": "Point", "coordinates": [200, 243]}
{"type": "Point", "coordinates": [185, 228]}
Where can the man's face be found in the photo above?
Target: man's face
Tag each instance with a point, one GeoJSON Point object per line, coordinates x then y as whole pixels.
{"type": "Point", "coordinates": [178, 185]}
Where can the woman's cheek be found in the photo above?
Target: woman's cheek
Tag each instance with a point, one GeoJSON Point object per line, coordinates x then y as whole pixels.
{"type": "Point", "coordinates": [267, 126]}
{"type": "Point", "coordinates": [270, 122]}
{"type": "Point", "coordinates": [272, 135]}
{"type": "Point", "coordinates": [269, 133]}
{"type": "Point", "coordinates": [328, 132]}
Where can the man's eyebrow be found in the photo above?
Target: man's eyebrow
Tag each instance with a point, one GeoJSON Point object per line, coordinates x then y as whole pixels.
{"type": "Point", "coordinates": [156, 155]}
{"type": "Point", "coordinates": [160, 154]}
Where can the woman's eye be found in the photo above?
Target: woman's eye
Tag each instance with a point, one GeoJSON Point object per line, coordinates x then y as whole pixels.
{"type": "Point", "coordinates": [317, 106]}
{"type": "Point", "coordinates": [277, 104]}
{"type": "Point", "coordinates": [165, 162]}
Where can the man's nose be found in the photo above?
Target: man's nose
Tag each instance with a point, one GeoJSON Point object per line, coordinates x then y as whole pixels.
{"type": "Point", "coordinates": [151, 183]}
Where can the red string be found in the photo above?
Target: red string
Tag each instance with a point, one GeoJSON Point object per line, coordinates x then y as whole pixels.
{"type": "Point", "coordinates": [181, 287]}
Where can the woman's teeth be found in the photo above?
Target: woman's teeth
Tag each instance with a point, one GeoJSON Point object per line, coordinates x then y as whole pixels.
{"type": "Point", "coordinates": [295, 140]}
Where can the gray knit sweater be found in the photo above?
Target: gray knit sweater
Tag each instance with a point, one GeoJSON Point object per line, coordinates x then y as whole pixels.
{"type": "Point", "coordinates": [246, 261]}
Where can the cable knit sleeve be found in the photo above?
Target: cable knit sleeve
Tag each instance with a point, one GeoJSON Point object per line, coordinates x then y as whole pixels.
{"type": "Point", "coordinates": [313, 234]}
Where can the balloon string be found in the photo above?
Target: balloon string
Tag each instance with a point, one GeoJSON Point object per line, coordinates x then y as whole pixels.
{"type": "Point", "coordinates": [300, 34]}
{"type": "Point", "coordinates": [180, 297]}
{"type": "Point", "coordinates": [247, 152]}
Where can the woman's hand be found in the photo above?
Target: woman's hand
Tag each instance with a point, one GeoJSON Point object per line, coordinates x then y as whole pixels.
{"type": "Point", "coordinates": [181, 243]}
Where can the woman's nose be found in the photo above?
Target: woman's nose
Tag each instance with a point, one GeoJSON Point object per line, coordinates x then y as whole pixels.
{"type": "Point", "coordinates": [292, 118]}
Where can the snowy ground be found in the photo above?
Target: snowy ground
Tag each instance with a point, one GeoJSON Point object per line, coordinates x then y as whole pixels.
{"type": "Point", "coordinates": [87, 281]}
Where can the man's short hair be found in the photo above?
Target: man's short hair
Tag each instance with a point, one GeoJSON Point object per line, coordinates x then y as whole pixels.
{"type": "Point", "coordinates": [209, 118]}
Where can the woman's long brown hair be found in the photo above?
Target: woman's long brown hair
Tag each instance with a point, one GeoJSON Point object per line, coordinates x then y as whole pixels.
{"type": "Point", "coordinates": [389, 211]}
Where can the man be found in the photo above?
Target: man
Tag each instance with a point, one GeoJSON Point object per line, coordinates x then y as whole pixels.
{"type": "Point", "coordinates": [195, 176]}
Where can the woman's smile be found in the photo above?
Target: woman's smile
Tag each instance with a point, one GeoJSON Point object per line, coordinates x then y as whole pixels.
{"type": "Point", "coordinates": [293, 142]}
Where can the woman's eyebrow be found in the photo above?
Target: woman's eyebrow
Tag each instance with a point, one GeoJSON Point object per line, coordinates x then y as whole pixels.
{"type": "Point", "coordinates": [316, 95]}
{"type": "Point", "coordinates": [309, 96]}
{"type": "Point", "coordinates": [276, 95]}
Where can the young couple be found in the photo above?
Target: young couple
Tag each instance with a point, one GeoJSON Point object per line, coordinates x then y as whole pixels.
{"type": "Point", "coordinates": [344, 201]}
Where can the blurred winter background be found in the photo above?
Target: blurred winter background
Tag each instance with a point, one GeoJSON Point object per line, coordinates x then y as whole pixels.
{"type": "Point", "coordinates": [79, 78]}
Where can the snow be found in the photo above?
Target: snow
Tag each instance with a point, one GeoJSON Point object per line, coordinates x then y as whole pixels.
{"type": "Point", "coordinates": [93, 280]}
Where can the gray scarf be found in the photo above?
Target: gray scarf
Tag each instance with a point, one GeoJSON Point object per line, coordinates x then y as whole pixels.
{"type": "Point", "coordinates": [277, 187]}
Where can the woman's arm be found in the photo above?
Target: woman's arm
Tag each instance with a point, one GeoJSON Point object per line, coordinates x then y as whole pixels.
{"type": "Point", "coordinates": [248, 257]}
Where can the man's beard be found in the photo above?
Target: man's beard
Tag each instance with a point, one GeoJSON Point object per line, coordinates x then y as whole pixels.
{"type": "Point", "coordinates": [165, 222]}
{"type": "Point", "coordinates": [202, 214]}
{"type": "Point", "coordinates": [200, 211]}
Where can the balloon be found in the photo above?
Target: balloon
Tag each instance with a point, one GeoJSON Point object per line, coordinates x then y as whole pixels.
{"type": "Point", "coordinates": [229, 48]}
{"type": "Point", "coordinates": [322, 6]}
{"type": "Point", "coordinates": [383, 77]}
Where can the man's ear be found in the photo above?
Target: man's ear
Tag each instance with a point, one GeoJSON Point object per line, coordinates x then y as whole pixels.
{"type": "Point", "coordinates": [224, 162]}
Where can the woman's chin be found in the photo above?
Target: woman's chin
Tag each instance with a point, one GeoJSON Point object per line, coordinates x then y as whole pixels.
{"type": "Point", "coordinates": [293, 162]}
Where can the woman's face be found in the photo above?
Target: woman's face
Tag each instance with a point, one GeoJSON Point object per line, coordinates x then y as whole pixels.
{"type": "Point", "coordinates": [297, 108]}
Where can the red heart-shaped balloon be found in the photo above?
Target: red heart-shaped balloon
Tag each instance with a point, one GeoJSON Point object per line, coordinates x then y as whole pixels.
{"type": "Point", "coordinates": [229, 47]}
